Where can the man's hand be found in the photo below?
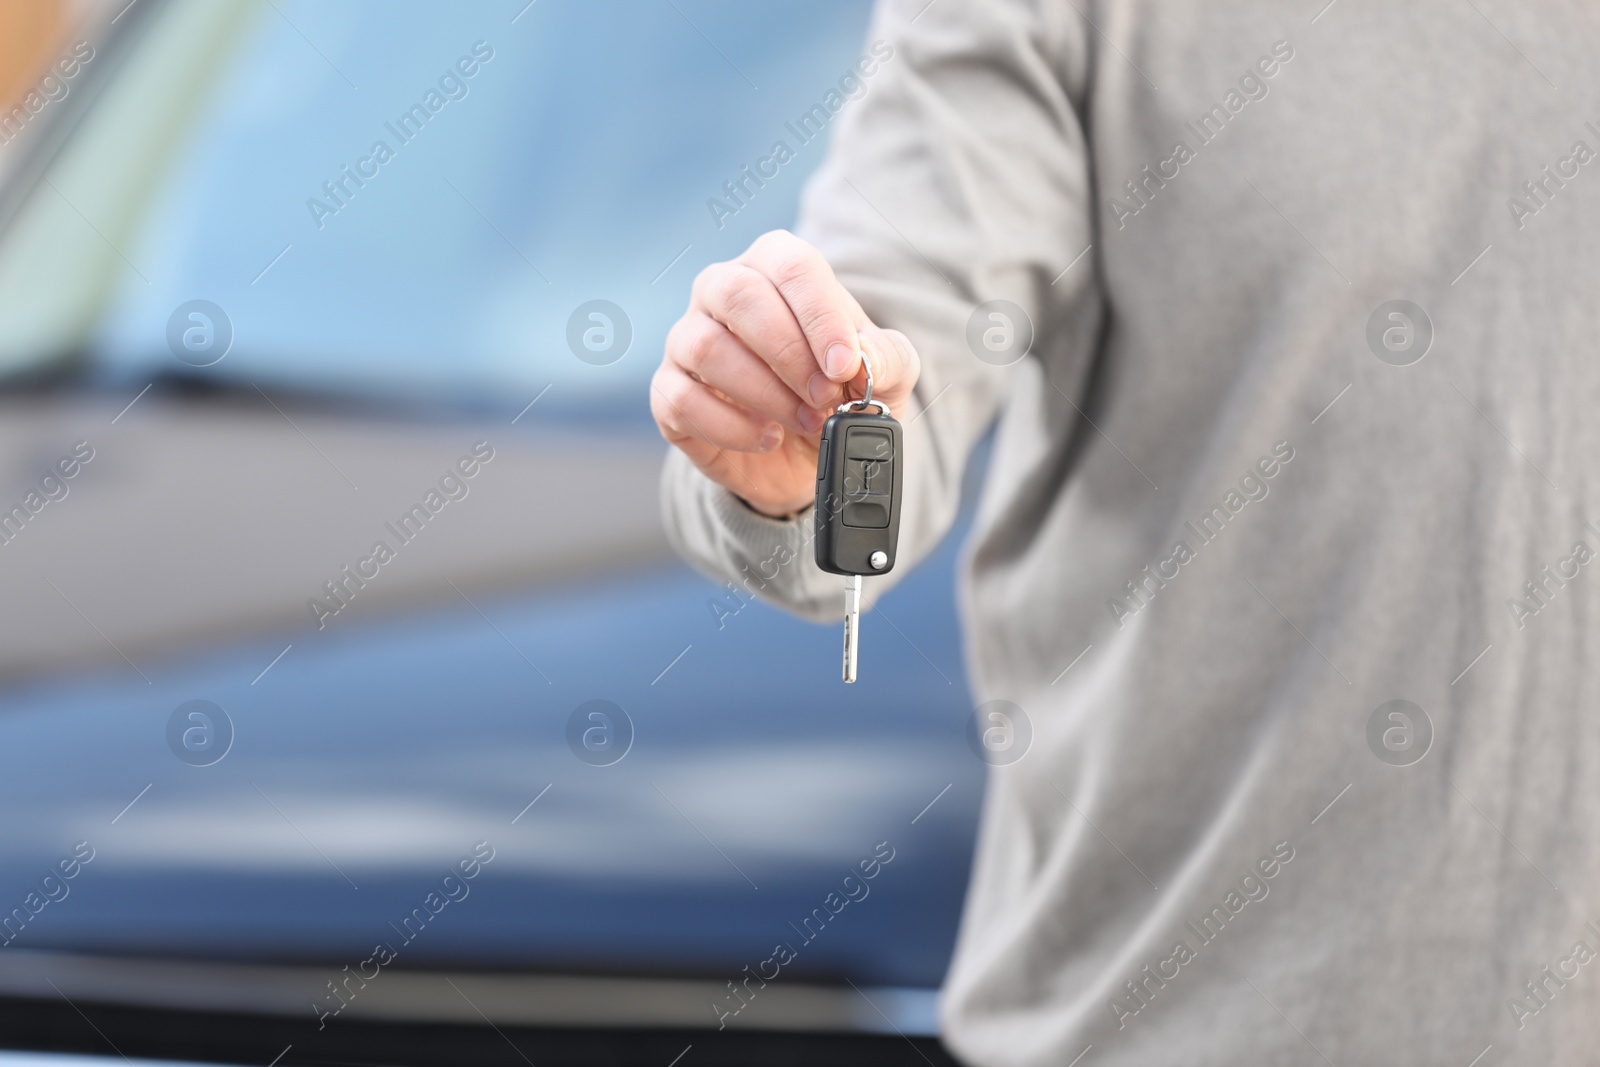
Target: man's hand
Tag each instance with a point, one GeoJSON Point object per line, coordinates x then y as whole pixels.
{"type": "Point", "coordinates": [759, 362]}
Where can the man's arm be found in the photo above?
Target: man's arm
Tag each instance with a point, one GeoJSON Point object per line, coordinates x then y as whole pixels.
{"type": "Point", "coordinates": [960, 177]}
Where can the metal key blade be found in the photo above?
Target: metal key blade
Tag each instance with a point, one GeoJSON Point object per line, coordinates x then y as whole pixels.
{"type": "Point", "coordinates": [852, 624]}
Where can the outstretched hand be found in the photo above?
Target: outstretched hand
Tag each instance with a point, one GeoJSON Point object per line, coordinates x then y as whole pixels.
{"type": "Point", "coordinates": [760, 360]}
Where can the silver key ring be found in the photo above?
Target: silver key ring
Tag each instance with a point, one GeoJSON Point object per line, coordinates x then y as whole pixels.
{"type": "Point", "coordinates": [866, 401]}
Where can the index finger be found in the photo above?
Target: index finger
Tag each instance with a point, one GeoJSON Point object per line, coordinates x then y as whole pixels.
{"type": "Point", "coordinates": [828, 315]}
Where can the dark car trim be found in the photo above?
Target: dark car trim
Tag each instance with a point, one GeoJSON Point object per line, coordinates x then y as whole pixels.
{"type": "Point", "coordinates": [457, 997]}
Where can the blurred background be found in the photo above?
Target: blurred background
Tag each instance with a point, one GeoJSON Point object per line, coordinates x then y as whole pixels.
{"type": "Point", "coordinates": [240, 344]}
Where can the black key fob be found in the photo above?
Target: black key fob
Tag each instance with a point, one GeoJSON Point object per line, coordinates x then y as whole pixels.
{"type": "Point", "coordinates": [858, 490]}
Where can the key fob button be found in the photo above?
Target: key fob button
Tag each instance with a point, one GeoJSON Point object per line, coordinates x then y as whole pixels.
{"type": "Point", "coordinates": [867, 514]}
{"type": "Point", "coordinates": [868, 443]}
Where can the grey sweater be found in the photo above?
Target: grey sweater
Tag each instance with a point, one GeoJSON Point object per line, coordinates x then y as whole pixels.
{"type": "Point", "coordinates": [1240, 503]}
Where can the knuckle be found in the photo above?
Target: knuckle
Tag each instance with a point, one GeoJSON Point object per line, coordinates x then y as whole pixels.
{"type": "Point", "coordinates": [784, 257]}
{"type": "Point", "coordinates": [700, 346]}
{"type": "Point", "coordinates": [708, 276]}
{"type": "Point", "coordinates": [906, 362]}
{"type": "Point", "coordinates": [742, 293]}
{"type": "Point", "coordinates": [667, 399]}
{"type": "Point", "coordinates": [734, 292]}
{"type": "Point", "coordinates": [665, 422]}
{"type": "Point", "coordinates": [678, 340]}
{"type": "Point", "coordinates": [773, 242]}
{"type": "Point", "coordinates": [795, 351]}
{"type": "Point", "coordinates": [681, 342]}
{"type": "Point", "coordinates": [668, 432]}
{"type": "Point", "coordinates": [903, 359]}
{"type": "Point", "coordinates": [911, 368]}
{"type": "Point", "coordinates": [798, 264]}
{"type": "Point", "coordinates": [658, 401]}
{"type": "Point", "coordinates": [711, 283]}
{"type": "Point", "coordinates": [679, 394]}
{"type": "Point", "coordinates": [817, 315]}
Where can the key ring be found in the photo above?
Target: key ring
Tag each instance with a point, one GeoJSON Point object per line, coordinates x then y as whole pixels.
{"type": "Point", "coordinates": [866, 401]}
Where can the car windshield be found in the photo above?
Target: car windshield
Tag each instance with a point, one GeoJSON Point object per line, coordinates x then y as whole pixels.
{"type": "Point", "coordinates": [274, 275]}
{"type": "Point", "coordinates": [412, 199]}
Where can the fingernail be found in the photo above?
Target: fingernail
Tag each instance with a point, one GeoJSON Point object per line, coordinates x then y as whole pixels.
{"type": "Point", "coordinates": [772, 438]}
{"type": "Point", "coordinates": [840, 361]}
{"type": "Point", "coordinates": [823, 392]}
{"type": "Point", "coordinates": [810, 419]}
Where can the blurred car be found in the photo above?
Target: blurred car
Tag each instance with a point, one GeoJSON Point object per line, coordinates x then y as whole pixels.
{"type": "Point", "coordinates": [521, 787]}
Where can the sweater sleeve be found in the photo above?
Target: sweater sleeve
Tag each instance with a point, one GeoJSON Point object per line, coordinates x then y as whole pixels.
{"type": "Point", "coordinates": [959, 176]}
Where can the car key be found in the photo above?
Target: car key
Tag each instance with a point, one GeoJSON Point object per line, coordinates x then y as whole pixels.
{"type": "Point", "coordinates": [858, 501]}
